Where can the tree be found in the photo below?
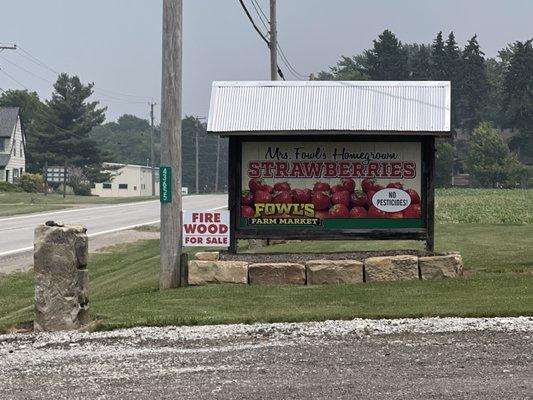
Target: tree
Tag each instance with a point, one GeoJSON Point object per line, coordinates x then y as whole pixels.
{"type": "Point", "coordinates": [438, 59]}
{"type": "Point", "coordinates": [347, 69]}
{"type": "Point", "coordinates": [474, 85]}
{"type": "Point", "coordinates": [452, 65]}
{"type": "Point", "coordinates": [518, 94]}
{"type": "Point", "coordinates": [30, 108]}
{"type": "Point", "coordinates": [419, 61]}
{"type": "Point", "coordinates": [443, 163]}
{"type": "Point", "coordinates": [489, 160]}
{"type": "Point", "coordinates": [387, 60]}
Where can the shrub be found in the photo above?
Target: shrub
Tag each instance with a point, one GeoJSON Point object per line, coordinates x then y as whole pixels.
{"type": "Point", "coordinates": [83, 189]}
{"type": "Point", "coordinates": [9, 187]}
{"type": "Point", "coordinates": [31, 183]}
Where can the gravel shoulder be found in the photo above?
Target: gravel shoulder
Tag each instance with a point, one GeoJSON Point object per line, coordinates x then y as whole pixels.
{"type": "Point", "coordinates": [430, 358]}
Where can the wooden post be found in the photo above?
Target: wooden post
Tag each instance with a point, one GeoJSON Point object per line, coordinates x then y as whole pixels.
{"type": "Point", "coordinates": [430, 214]}
{"type": "Point", "coordinates": [170, 237]}
{"type": "Point", "coordinates": [273, 42]}
{"type": "Point", "coordinates": [233, 199]}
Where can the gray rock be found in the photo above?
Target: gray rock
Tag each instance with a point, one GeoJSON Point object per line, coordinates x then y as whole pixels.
{"type": "Point", "coordinates": [334, 271]}
{"type": "Point", "coordinates": [449, 266]}
{"type": "Point", "coordinates": [207, 256]}
{"type": "Point", "coordinates": [276, 273]}
{"type": "Point", "coordinates": [61, 278]}
{"type": "Point", "coordinates": [392, 268]}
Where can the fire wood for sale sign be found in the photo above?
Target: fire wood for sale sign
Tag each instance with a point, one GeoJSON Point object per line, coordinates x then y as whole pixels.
{"type": "Point", "coordinates": [206, 228]}
{"type": "Point", "coordinates": [331, 185]}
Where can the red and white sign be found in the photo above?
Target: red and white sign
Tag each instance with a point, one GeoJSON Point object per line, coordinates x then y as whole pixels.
{"type": "Point", "coordinates": [206, 228]}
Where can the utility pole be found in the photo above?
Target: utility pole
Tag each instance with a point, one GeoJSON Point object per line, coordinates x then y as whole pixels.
{"type": "Point", "coordinates": [197, 169]}
{"type": "Point", "coordinates": [218, 162]}
{"type": "Point", "coordinates": [65, 179]}
{"type": "Point", "coordinates": [171, 219]}
{"type": "Point", "coordinates": [152, 146]}
{"type": "Point", "coordinates": [273, 42]}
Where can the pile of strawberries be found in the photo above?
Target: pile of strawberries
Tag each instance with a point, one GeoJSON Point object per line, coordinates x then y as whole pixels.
{"type": "Point", "coordinates": [338, 201]}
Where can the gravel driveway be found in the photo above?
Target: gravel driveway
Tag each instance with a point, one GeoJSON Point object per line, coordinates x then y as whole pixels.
{"type": "Point", "coordinates": [444, 358]}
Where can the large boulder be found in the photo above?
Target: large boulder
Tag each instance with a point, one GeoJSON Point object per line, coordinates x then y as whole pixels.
{"type": "Point", "coordinates": [205, 272]}
{"type": "Point", "coordinates": [448, 266]}
{"type": "Point", "coordinates": [334, 271]}
{"type": "Point", "coordinates": [277, 274]}
{"type": "Point", "coordinates": [391, 268]}
{"type": "Point", "coordinates": [61, 277]}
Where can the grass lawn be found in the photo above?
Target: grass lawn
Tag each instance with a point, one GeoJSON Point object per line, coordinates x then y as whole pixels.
{"type": "Point", "coordinates": [22, 203]}
{"type": "Point", "coordinates": [124, 291]}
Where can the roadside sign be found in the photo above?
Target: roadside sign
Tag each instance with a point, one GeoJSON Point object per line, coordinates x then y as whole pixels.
{"type": "Point", "coordinates": [206, 228]}
{"type": "Point", "coordinates": [165, 184]}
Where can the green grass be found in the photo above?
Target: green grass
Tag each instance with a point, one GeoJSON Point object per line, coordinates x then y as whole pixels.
{"type": "Point", "coordinates": [485, 206]}
{"type": "Point", "coordinates": [124, 287]}
{"type": "Point", "coordinates": [22, 203]}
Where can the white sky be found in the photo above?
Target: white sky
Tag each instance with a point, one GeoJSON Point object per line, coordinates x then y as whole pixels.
{"type": "Point", "coordinates": [117, 43]}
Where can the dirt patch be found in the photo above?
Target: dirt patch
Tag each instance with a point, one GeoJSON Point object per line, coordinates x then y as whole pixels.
{"type": "Point", "coordinates": [303, 257]}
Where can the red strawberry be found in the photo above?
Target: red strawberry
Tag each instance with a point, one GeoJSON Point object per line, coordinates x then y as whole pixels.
{"type": "Point", "coordinates": [413, 211]}
{"type": "Point", "coordinates": [321, 187]}
{"type": "Point", "coordinates": [348, 184]}
{"type": "Point", "coordinates": [320, 200]}
{"type": "Point", "coordinates": [282, 187]}
{"type": "Point", "coordinates": [262, 197]}
{"type": "Point", "coordinates": [247, 212]}
{"type": "Point", "coordinates": [374, 212]}
{"type": "Point", "coordinates": [255, 184]}
{"type": "Point", "coordinates": [284, 197]}
{"type": "Point", "coordinates": [369, 196]}
{"type": "Point", "coordinates": [302, 196]}
{"type": "Point", "coordinates": [367, 184]}
{"type": "Point", "coordinates": [358, 199]}
{"type": "Point", "coordinates": [322, 214]}
{"type": "Point", "coordinates": [267, 188]}
{"type": "Point", "coordinates": [339, 211]}
{"type": "Point", "coordinates": [358, 212]}
{"type": "Point", "coordinates": [341, 198]}
{"type": "Point", "coordinates": [377, 188]}
{"type": "Point", "coordinates": [415, 198]}
{"type": "Point", "coordinates": [395, 185]}
{"type": "Point", "coordinates": [394, 215]}
{"type": "Point", "coordinates": [247, 198]}
{"type": "Point", "coordinates": [337, 188]}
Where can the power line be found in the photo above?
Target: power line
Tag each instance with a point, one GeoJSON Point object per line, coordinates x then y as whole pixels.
{"type": "Point", "coordinates": [260, 14]}
{"type": "Point", "coordinates": [260, 9]}
{"type": "Point", "coordinates": [280, 72]}
{"type": "Point", "coordinates": [13, 79]}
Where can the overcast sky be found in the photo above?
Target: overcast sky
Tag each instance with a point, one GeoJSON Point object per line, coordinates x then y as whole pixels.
{"type": "Point", "coordinates": [117, 43]}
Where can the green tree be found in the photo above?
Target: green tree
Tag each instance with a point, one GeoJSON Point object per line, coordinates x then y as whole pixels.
{"type": "Point", "coordinates": [518, 94]}
{"type": "Point", "coordinates": [347, 69]}
{"type": "Point", "coordinates": [490, 161]}
{"type": "Point", "coordinates": [474, 86]}
{"type": "Point", "coordinates": [419, 61]}
{"type": "Point", "coordinates": [30, 108]}
{"type": "Point", "coordinates": [452, 66]}
{"type": "Point", "coordinates": [438, 59]}
{"type": "Point", "coordinates": [387, 60]}
{"type": "Point", "coordinates": [443, 163]}
{"type": "Point", "coordinates": [64, 127]}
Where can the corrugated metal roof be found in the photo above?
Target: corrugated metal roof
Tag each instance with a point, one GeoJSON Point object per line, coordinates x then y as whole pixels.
{"type": "Point", "coordinates": [8, 120]}
{"type": "Point", "coordinates": [360, 106]}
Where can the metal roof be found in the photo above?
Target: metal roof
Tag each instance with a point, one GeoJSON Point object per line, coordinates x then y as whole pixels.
{"type": "Point", "coordinates": [329, 106]}
{"type": "Point", "coordinates": [8, 120]}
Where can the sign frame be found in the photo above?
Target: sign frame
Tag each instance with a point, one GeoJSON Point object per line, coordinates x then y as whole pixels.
{"type": "Point", "coordinates": [427, 199]}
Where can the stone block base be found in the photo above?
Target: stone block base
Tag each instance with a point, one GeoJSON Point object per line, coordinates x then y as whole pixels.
{"type": "Point", "coordinates": [393, 268]}
{"type": "Point", "coordinates": [277, 274]}
{"type": "Point", "coordinates": [205, 272]}
{"type": "Point", "coordinates": [334, 272]}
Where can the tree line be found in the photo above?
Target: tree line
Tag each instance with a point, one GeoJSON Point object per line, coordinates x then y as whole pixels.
{"type": "Point", "coordinates": [69, 128]}
{"type": "Point", "coordinates": [489, 95]}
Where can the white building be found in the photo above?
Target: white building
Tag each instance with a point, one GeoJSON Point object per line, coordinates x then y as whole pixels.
{"type": "Point", "coordinates": [12, 145]}
{"type": "Point", "coordinates": [127, 180]}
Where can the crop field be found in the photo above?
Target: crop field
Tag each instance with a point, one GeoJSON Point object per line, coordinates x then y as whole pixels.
{"type": "Point", "coordinates": [491, 228]}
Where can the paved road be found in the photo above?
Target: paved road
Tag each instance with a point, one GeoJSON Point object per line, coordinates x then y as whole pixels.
{"type": "Point", "coordinates": [299, 361]}
{"type": "Point", "coordinates": [16, 233]}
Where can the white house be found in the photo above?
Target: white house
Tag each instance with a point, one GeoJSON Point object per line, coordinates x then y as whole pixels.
{"type": "Point", "coordinates": [12, 145]}
{"type": "Point", "coordinates": [127, 180]}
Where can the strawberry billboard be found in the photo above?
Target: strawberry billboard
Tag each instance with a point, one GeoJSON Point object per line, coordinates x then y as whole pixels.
{"type": "Point", "coordinates": [327, 186]}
